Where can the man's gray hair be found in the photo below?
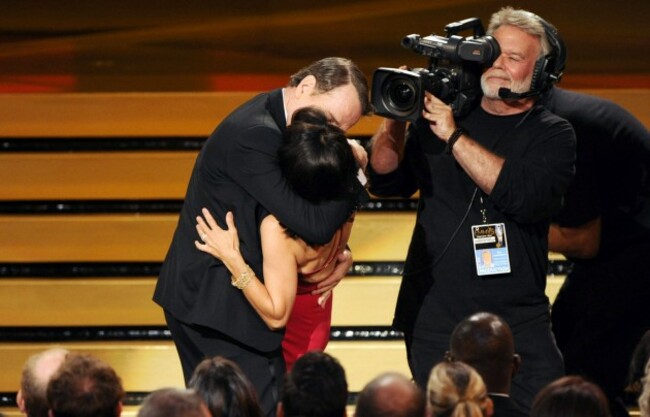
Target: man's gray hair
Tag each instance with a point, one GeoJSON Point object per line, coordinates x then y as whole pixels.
{"type": "Point", "coordinates": [526, 21]}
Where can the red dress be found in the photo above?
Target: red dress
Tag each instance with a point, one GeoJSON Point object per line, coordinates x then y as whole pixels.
{"type": "Point", "coordinates": [308, 327]}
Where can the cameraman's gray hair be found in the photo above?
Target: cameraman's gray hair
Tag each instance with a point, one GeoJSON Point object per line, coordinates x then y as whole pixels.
{"type": "Point", "coordinates": [527, 21]}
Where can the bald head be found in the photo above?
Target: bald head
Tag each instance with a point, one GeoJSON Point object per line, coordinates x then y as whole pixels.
{"type": "Point", "coordinates": [390, 395]}
{"type": "Point", "coordinates": [484, 341]}
{"type": "Point", "coordinates": [37, 372]}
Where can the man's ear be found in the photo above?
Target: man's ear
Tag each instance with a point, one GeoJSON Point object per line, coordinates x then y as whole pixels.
{"type": "Point", "coordinates": [516, 363]}
{"type": "Point", "coordinates": [20, 401]}
{"type": "Point", "coordinates": [118, 409]}
{"type": "Point", "coordinates": [306, 87]}
{"type": "Point", "coordinates": [489, 407]}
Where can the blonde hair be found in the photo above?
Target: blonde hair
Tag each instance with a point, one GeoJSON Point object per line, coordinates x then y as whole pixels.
{"type": "Point", "coordinates": [644, 398]}
{"type": "Point", "coordinates": [455, 389]}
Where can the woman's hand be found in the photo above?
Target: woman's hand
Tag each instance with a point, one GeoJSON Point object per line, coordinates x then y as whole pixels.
{"type": "Point", "coordinates": [360, 153]}
{"type": "Point", "coordinates": [220, 243]}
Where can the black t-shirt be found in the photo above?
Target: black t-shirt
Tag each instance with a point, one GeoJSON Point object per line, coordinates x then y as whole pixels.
{"type": "Point", "coordinates": [539, 151]}
{"type": "Point", "coordinates": [612, 169]}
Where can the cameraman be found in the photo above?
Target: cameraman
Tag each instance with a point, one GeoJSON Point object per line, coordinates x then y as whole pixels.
{"type": "Point", "coordinates": [503, 166]}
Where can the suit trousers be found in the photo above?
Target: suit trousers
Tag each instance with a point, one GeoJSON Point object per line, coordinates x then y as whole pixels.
{"type": "Point", "coordinates": [265, 370]}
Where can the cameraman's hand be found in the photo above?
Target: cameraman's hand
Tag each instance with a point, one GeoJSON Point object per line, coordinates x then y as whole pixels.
{"type": "Point", "coordinates": [440, 116]}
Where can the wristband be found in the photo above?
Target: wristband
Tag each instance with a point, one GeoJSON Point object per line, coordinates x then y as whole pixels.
{"type": "Point", "coordinates": [243, 279]}
{"type": "Point", "coordinates": [453, 138]}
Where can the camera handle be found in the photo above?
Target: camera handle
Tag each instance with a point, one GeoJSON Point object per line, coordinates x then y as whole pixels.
{"type": "Point", "coordinates": [469, 23]}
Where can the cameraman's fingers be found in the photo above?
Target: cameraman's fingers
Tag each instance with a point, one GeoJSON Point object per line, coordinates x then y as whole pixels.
{"type": "Point", "coordinates": [433, 103]}
{"type": "Point", "coordinates": [440, 116]}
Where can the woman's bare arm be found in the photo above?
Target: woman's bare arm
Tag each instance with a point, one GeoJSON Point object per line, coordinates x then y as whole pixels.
{"type": "Point", "coordinates": [272, 299]}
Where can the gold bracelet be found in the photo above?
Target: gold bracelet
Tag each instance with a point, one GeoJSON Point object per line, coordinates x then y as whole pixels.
{"type": "Point", "coordinates": [243, 279]}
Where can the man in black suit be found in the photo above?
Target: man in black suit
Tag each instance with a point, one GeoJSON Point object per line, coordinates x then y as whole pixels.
{"type": "Point", "coordinates": [237, 171]}
{"type": "Point", "coordinates": [484, 341]}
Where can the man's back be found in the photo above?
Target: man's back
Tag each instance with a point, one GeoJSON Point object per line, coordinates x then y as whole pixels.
{"type": "Point", "coordinates": [194, 286]}
{"type": "Point", "coordinates": [612, 169]}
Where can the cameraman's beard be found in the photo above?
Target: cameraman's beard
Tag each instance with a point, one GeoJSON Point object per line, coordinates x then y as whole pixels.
{"type": "Point", "coordinates": [492, 91]}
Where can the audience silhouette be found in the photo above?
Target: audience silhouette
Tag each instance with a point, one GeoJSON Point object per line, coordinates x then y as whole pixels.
{"type": "Point", "coordinates": [390, 394]}
{"type": "Point", "coordinates": [484, 341]}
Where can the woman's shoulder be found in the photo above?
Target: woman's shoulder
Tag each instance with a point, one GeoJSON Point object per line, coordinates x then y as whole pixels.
{"type": "Point", "coordinates": [275, 237]}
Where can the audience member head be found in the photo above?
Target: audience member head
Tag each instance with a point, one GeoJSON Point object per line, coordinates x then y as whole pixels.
{"type": "Point", "coordinates": [37, 371]}
{"type": "Point", "coordinates": [85, 386]}
{"type": "Point", "coordinates": [316, 158]}
{"type": "Point", "coordinates": [637, 369]}
{"type": "Point", "coordinates": [570, 396]}
{"type": "Point", "coordinates": [315, 387]}
{"type": "Point", "coordinates": [455, 389]}
{"type": "Point", "coordinates": [644, 398]}
{"type": "Point", "coordinates": [484, 341]}
{"type": "Point", "coordinates": [225, 389]}
{"type": "Point", "coordinates": [390, 395]}
{"type": "Point", "coordinates": [173, 402]}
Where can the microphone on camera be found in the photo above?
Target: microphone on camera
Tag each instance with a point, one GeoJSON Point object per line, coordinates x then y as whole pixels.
{"type": "Point", "coordinates": [508, 94]}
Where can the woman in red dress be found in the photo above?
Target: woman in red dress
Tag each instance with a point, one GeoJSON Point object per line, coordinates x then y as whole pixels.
{"type": "Point", "coordinates": [320, 165]}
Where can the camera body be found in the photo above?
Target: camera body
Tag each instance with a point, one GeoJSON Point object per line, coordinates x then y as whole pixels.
{"type": "Point", "coordinates": [453, 74]}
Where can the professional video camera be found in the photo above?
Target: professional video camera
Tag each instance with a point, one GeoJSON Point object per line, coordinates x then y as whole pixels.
{"type": "Point", "coordinates": [453, 75]}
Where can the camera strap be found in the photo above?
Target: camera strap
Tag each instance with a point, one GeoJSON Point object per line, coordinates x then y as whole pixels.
{"type": "Point", "coordinates": [482, 208]}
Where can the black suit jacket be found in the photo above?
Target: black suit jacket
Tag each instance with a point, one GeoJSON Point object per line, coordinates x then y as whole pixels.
{"type": "Point", "coordinates": [506, 407]}
{"type": "Point", "coordinates": [237, 171]}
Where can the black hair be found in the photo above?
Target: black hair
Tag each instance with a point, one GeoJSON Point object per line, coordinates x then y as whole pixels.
{"type": "Point", "coordinates": [315, 387]}
{"type": "Point", "coordinates": [225, 388]}
{"type": "Point", "coordinates": [316, 158]}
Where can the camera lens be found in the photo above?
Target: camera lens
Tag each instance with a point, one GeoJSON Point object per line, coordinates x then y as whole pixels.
{"type": "Point", "coordinates": [401, 93]}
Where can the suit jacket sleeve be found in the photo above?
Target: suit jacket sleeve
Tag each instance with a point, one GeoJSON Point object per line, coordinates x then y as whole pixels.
{"type": "Point", "coordinates": [253, 165]}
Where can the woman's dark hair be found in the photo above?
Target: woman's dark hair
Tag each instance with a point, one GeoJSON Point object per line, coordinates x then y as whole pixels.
{"type": "Point", "coordinates": [316, 158]}
{"type": "Point", "coordinates": [225, 389]}
{"type": "Point", "coordinates": [570, 396]}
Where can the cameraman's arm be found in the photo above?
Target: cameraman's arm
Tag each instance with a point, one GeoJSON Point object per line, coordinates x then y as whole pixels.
{"type": "Point", "coordinates": [387, 146]}
{"type": "Point", "coordinates": [478, 162]}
